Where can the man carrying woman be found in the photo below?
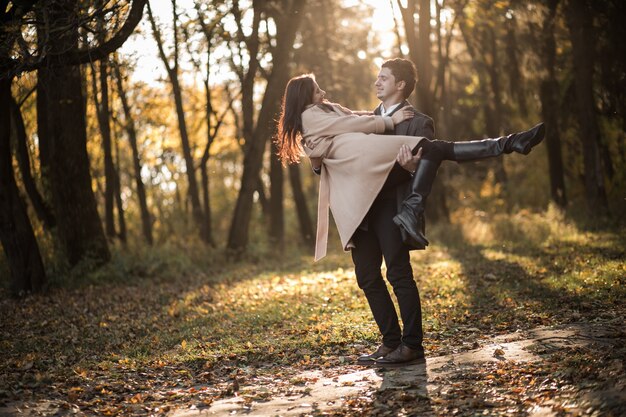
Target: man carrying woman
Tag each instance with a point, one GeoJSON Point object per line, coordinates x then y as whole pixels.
{"type": "Point", "coordinates": [357, 171]}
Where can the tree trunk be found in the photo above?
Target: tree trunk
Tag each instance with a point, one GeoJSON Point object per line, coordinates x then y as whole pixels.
{"type": "Point", "coordinates": [277, 209]}
{"type": "Point", "coordinates": [104, 117]}
{"type": "Point", "coordinates": [43, 211]}
{"type": "Point", "coordinates": [61, 94]}
{"type": "Point", "coordinates": [146, 221]}
{"type": "Point", "coordinates": [579, 17]}
{"type": "Point", "coordinates": [549, 93]}
{"type": "Point", "coordinates": [304, 218]}
{"type": "Point", "coordinates": [496, 94]}
{"type": "Point", "coordinates": [16, 232]}
{"type": "Point", "coordinates": [207, 227]}
{"type": "Point", "coordinates": [489, 89]}
{"type": "Point", "coordinates": [424, 62]}
{"type": "Point", "coordinates": [516, 81]}
{"type": "Point", "coordinates": [419, 49]}
{"type": "Point", "coordinates": [253, 159]}
{"type": "Point", "coordinates": [118, 195]}
{"type": "Point", "coordinates": [172, 71]}
{"type": "Point", "coordinates": [189, 164]}
{"type": "Point", "coordinates": [263, 200]}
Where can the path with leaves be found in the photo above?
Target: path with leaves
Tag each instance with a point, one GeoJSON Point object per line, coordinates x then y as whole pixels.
{"type": "Point", "coordinates": [513, 375]}
{"type": "Point", "coordinates": [158, 335]}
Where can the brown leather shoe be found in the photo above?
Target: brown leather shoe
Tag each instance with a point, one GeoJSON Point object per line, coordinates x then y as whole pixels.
{"type": "Point", "coordinates": [372, 357]}
{"type": "Point", "coordinates": [402, 356]}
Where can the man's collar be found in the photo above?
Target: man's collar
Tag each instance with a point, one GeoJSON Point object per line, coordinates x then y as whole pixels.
{"type": "Point", "coordinates": [394, 108]}
{"type": "Point", "coordinates": [391, 108]}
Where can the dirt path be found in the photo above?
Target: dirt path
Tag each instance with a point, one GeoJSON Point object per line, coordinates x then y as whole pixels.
{"type": "Point", "coordinates": [568, 370]}
{"type": "Point", "coordinates": [378, 391]}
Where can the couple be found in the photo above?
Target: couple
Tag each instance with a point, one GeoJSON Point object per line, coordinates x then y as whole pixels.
{"type": "Point", "coordinates": [376, 172]}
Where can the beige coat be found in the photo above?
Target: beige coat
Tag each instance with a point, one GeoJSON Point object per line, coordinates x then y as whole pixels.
{"type": "Point", "coordinates": [355, 163]}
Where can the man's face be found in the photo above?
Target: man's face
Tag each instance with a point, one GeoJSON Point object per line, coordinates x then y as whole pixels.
{"type": "Point", "coordinates": [386, 85]}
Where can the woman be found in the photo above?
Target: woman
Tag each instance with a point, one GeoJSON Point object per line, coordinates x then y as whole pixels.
{"type": "Point", "coordinates": [356, 158]}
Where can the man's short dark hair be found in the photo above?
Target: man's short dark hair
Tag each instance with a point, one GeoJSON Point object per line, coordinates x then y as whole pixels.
{"type": "Point", "coordinates": [403, 70]}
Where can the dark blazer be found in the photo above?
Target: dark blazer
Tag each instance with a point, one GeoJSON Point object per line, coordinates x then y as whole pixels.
{"type": "Point", "coordinates": [397, 183]}
{"type": "Point", "coordinates": [420, 125]}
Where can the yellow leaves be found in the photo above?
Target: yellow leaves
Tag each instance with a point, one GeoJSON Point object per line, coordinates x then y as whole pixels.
{"type": "Point", "coordinates": [159, 363]}
{"type": "Point", "coordinates": [175, 309]}
{"type": "Point", "coordinates": [74, 393]}
{"type": "Point", "coordinates": [137, 399]}
{"type": "Point", "coordinates": [183, 344]}
{"type": "Point", "coordinates": [109, 411]}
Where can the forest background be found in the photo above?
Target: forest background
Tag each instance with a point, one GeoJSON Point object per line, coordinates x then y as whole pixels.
{"type": "Point", "coordinates": [112, 152]}
{"type": "Point", "coordinates": [158, 258]}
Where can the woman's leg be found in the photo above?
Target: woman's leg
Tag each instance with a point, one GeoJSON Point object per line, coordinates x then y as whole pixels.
{"type": "Point", "coordinates": [522, 142]}
{"type": "Point", "coordinates": [411, 216]}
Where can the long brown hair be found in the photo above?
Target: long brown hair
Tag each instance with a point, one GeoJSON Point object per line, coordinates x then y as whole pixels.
{"type": "Point", "coordinates": [298, 95]}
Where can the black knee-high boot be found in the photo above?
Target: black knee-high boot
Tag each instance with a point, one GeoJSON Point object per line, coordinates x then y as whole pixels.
{"type": "Point", "coordinates": [522, 142]}
{"type": "Point", "coordinates": [410, 219]}
{"type": "Point", "coordinates": [411, 216]}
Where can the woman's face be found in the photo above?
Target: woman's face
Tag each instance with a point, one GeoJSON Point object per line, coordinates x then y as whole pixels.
{"type": "Point", "coordinates": [318, 94]}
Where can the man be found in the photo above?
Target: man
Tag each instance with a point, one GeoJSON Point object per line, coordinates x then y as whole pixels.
{"type": "Point", "coordinates": [378, 237]}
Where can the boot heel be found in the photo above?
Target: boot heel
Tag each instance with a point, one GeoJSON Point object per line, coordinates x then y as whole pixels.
{"type": "Point", "coordinates": [417, 238]}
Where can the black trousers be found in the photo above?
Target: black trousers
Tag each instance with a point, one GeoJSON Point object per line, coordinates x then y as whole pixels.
{"type": "Point", "coordinates": [380, 238]}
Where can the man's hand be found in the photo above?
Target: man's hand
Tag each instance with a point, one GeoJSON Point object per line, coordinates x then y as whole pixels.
{"type": "Point", "coordinates": [407, 160]}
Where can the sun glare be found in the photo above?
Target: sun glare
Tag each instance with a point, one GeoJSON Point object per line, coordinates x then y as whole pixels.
{"type": "Point", "coordinates": [150, 68]}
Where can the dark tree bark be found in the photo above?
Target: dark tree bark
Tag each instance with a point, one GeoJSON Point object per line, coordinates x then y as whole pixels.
{"type": "Point", "coordinates": [43, 211]}
{"type": "Point", "coordinates": [104, 122]}
{"type": "Point", "coordinates": [172, 71]}
{"type": "Point", "coordinates": [549, 93]}
{"type": "Point", "coordinates": [495, 112]}
{"type": "Point", "coordinates": [60, 92]}
{"type": "Point", "coordinates": [304, 218]}
{"type": "Point", "coordinates": [118, 195]}
{"type": "Point", "coordinates": [16, 233]}
{"type": "Point", "coordinates": [146, 221]}
{"type": "Point", "coordinates": [286, 27]}
{"type": "Point", "coordinates": [260, 190]}
{"type": "Point", "coordinates": [207, 225]}
{"type": "Point", "coordinates": [396, 31]}
{"type": "Point", "coordinates": [489, 88]}
{"type": "Point", "coordinates": [579, 17]}
{"type": "Point", "coordinates": [516, 80]}
{"type": "Point", "coordinates": [277, 208]}
{"type": "Point", "coordinates": [208, 29]}
{"type": "Point", "coordinates": [424, 60]}
{"type": "Point", "coordinates": [420, 49]}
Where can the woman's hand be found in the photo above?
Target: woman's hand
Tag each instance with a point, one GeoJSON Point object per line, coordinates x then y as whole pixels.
{"type": "Point", "coordinates": [401, 115]}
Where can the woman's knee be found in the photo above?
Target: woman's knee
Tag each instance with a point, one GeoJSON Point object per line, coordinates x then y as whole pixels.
{"type": "Point", "coordinates": [434, 150]}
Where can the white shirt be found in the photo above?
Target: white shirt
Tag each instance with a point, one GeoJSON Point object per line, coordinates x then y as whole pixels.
{"type": "Point", "coordinates": [385, 112]}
